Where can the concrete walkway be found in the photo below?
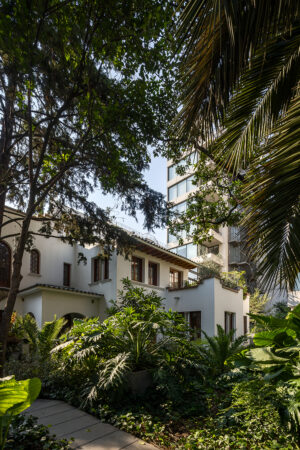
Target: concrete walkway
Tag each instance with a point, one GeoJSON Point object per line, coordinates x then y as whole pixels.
{"type": "Point", "coordinates": [88, 432]}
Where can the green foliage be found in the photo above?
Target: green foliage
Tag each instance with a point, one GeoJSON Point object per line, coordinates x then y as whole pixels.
{"type": "Point", "coordinates": [220, 351]}
{"type": "Point", "coordinates": [138, 335]}
{"type": "Point", "coordinates": [233, 279]}
{"type": "Point", "coordinates": [41, 340]}
{"type": "Point", "coordinates": [25, 434]}
{"type": "Point", "coordinates": [15, 397]}
{"type": "Point", "coordinates": [257, 302]}
{"type": "Point", "coordinates": [277, 354]}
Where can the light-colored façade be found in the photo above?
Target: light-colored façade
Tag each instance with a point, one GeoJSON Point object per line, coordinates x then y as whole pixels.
{"type": "Point", "coordinates": [54, 283]}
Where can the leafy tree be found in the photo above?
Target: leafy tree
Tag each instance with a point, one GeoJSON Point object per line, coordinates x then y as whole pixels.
{"type": "Point", "coordinates": [85, 89]}
{"type": "Point", "coordinates": [240, 66]}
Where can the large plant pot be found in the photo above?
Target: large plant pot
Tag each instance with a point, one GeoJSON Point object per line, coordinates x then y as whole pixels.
{"type": "Point", "coordinates": [140, 381]}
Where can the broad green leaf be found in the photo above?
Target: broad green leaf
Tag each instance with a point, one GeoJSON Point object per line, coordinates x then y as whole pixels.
{"type": "Point", "coordinates": [16, 396]}
{"type": "Point", "coordinates": [265, 355]}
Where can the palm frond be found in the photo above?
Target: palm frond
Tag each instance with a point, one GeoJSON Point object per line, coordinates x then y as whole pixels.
{"type": "Point", "coordinates": [273, 206]}
{"type": "Point", "coordinates": [218, 41]}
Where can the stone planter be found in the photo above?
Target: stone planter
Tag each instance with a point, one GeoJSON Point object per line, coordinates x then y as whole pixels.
{"type": "Point", "coordinates": [139, 381]}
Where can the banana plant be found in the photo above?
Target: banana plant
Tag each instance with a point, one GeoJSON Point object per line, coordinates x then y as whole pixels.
{"type": "Point", "coordinates": [15, 397]}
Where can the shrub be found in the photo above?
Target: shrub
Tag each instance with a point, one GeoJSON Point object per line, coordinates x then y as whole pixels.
{"type": "Point", "coordinates": [26, 434]}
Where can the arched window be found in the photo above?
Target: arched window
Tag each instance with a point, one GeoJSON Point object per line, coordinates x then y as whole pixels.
{"type": "Point", "coordinates": [35, 261]}
{"type": "Point", "coordinates": [5, 264]}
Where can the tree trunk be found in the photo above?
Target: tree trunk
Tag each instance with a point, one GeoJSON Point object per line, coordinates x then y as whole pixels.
{"type": "Point", "coordinates": [6, 134]}
{"type": "Point", "coordinates": [13, 292]}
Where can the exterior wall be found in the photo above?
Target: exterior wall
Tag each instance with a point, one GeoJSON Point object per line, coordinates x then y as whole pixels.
{"type": "Point", "coordinates": [200, 298]}
{"type": "Point", "coordinates": [124, 271]}
{"type": "Point", "coordinates": [34, 305]}
{"type": "Point", "coordinates": [228, 300]}
{"type": "Point", "coordinates": [213, 300]}
{"type": "Point", "coordinates": [60, 303]}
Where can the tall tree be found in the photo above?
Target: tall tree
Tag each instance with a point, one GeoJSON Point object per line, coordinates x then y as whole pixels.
{"type": "Point", "coordinates": [240, 77]}
{"type": "Point", "coordinates": [85, 88]}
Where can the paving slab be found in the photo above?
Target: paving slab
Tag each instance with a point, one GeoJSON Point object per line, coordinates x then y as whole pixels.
{"type": "Point", "coordinates": [88, 432]}
{"type": "Point", "coordinates": [114, 441]}
{"type": "Point", "coordinates": [60, 417]}
{"type": "Point", "coordinates": [43, 404]}
{"type": "Point", "coordinates": [69, 428]}
{"type": "Point", "coordinates": [51, 410]}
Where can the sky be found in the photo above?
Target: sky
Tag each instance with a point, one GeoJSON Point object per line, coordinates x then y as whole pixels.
{"type": "Point", "coordinates": [156, 177]}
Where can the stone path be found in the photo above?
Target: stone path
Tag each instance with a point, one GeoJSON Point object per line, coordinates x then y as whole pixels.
{"type": "Point", "coordinates": [88, 432]}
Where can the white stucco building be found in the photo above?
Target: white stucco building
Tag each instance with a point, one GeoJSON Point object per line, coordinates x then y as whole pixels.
{"type": "Point", "coordinates": [54, 283]}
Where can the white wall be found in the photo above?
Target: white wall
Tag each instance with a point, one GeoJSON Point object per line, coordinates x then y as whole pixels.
{"type": "Point", "coordinates": [61, 303]}
{"type": "Point", "coordinates": [229, 300]}
{"type": "Point", "coordinates": [200, 298]}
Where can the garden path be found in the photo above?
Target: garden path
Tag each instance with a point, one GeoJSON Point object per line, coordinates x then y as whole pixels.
{"type": "Point", "coordinates": [88, 432]}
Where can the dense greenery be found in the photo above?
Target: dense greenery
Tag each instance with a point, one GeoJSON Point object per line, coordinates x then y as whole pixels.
{"type": "Point", "coordinates": [205, 394]}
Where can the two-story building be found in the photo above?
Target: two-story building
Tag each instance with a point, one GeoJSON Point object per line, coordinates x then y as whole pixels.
{"type": "Point", "coordinates": [54, 283]}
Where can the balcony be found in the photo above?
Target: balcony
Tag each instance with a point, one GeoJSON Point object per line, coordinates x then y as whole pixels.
{"type": "Point", "coordinates": [216, 238]}
{"type": "Point", "coordinates": [236, 256]}
{"type": "Point", "coordinates": [210, 257]}
{"type": "Point", "coordinates": [234, 235]}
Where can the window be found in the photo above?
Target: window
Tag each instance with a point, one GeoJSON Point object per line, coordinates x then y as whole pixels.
{"type": "Point", "coordinates": [35, 261]}
{"type": "Point", "coordinates": [67, 274]}
{"type": "Point", "coordinates": [193, 319]}
{"type": "Point", "coordinates": [245, 325]}
{"type": "Point", "coordinates": [100, 269]}
{"type": "Point", "coordinates": [175, 278]}
{"type": "Point", "coordinates": [191, 251]}
{"type": "Point", "coordinates": [96, 269]}
{"type": "Point", "coordinates": [214, 250]}
{"type": "Point", "coordinates": [180, 208]}
{"type": "Point", "coordinates": [172, 193]}
{"type": "Point", "coordinates": [5, 263]}
{"type": "Point", "coordinates": [106, 268]}
{"type": "Point", "coordinates": [195, 324]}
{"type": "Point", "coordinates": [137, 269]}
{"type": "Point", "coordinates": [202, 250]}
{"type": "Point", "coordinates": [180, 188]}
{"type": "Point", "coordinates": [229, 322]}
{"type": "Point", "coordinates": [189, 184]}
{"type": "Point", "coordinates": [153, 274]}
{"type": "Point", "coordinates": [187, 251]}
{"type": "Point", "coordinates": [192, 158]}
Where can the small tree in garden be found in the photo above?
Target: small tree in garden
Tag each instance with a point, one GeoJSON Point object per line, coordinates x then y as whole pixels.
{"type": "Point", "coordinates": [84, 90]}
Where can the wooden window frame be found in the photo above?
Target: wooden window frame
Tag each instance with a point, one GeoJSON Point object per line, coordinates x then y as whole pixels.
{"type": "Point", "coordinates": [7, 281]}
{"type": "Point", "coordinates": [156, 277]}
{"type": "Point", "coordinates": [67, 282]}
{"type": "Point", "coordinates": [106, 268]}
{"type": "Point", "coordinates": [134, 274]}
{"type": "Point", "coordinates": [32, 269]}
{"type": "Point", "coordinates": [180, 279]}
{"type": "Point", "coordinates": [96, 269]}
